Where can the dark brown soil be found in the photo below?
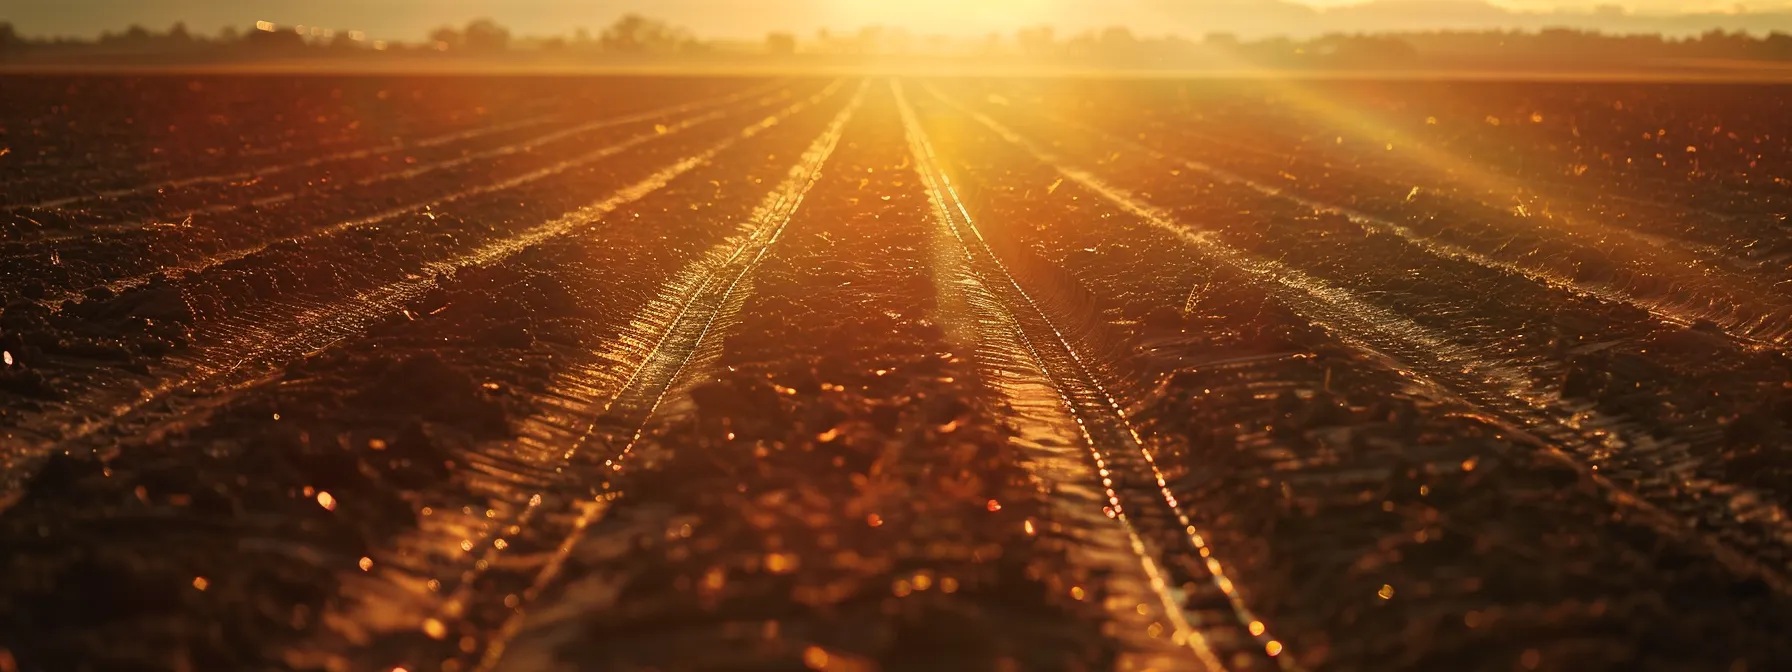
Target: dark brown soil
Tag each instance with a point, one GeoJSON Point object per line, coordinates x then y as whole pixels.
{"type": "Point", "coordinates": [352, 373]}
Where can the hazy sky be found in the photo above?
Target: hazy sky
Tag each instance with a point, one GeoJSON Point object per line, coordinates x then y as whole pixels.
{"type": "Point", "coordinates": [410, 19]}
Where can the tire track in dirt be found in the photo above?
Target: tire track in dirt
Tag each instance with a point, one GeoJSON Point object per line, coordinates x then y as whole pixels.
{"type": "Point", "coordinates": [408, 172]}
{"type": "Point", "coordinates": [1766, 324]}
{"type": "Point", "coordinates": [418, 427]}
{"type": "Point", "coordinates": [438, 140]}
{"type": "Point", "coordinates": [328, 152]}
{"type": "Point", "coordinates": [830, 480]}
{"type": "Point", "coordinates": [1135, 484]}
{"type": "Point", "coordinates": [210, 261]}
{"type": "Point", "coordinates": [1518, 184]}
{"type": "Point", "coordinates": [683, 316]}
{"type": "Point", "coordinates": [1585, 437]}
{"type": "Point", "coordinates": [275, 169]}
{"type": "Point", "coordinates": [598, 407]}
{"type": "Point", "coordinates": [1480, 171]}
{"type": "Point", "coordinates": [561, 134]}
{"type": "Point", "coordinates": [241, 325]}
{"type": "Point", "coordinates": [249, 351]}
{"type": "Point", "coordinates": [1495, 177]}
{"type": "Point", "coordinates": [1327, 474]}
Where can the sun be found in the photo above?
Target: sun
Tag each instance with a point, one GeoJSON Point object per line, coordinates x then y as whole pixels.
{"type": "Point", "coordinates": [952, 16]}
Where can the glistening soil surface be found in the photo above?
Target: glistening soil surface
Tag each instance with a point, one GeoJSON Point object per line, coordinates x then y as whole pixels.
{"type": "Point", "coordinates": [360, 373]}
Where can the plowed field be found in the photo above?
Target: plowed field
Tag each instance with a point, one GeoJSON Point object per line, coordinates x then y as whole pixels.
{"type": "Point", "coordinates": [363, 373]}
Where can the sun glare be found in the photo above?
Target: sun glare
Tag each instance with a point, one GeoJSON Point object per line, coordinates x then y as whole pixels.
{"type": "Point", "coordinates": [952, 16]}
{"type": "Point", "coordinates": [842, 335]}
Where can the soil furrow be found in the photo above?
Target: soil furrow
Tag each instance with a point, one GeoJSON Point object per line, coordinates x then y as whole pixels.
{"type": "Point", "coordinates": [1672, 456]}
{"type": "Point", "coordinates": [1112, 441]}
{"type": "Point", "coordinates": [257, 188]}
{"type": "Point", "coordinates": [183, 182]}
{"type": "Point", "coordinates": [1339, 483]}
{"type": "Point", "coordinates": [1590, 436]}
{"type": "Point", "coordinates": [659, 373]}
{"type": "Point", "coordinates": [1711, 188]}
{"type": "Point", "coordinates": [1754, 327]}
{"type": "Point", "coordinates": [205, 113]}
{"type": "Point", "coordinates": [1680, 281]}
{"type": "Point", "coordinates": [602, 399]}
{"type": "Point", "coordinates": [187, 249]}
{"type": "Point", "coordinates": [258, 348]}
{"type": "Point", "coordinates": [445, 417]}
{"type": "Point", "coordinates": [279, 168]}
{"type": "Point", "coordinates": [828, 499]}
{"type": "Point", "coordinates": [623, 418]}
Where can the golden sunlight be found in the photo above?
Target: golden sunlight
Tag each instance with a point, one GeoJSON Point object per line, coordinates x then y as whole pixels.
{"type": "Point", "coordinates": [849, 335]}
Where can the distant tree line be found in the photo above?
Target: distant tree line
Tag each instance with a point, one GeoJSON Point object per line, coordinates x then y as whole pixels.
{"type": "Point", "coordinates": [631, 34]}
{"type": "Point", "coordinates": [1562, 42]}
{"type": "Point", "coordinates": [638, 36]}
{"type": "Point", "coordinates": [1383, 49]}
{"type": "Point", "coordinates": [480, 36]}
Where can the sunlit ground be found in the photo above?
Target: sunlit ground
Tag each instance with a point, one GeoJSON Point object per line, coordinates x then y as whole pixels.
{"type": "Point", "coordinates": [892, 372]}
